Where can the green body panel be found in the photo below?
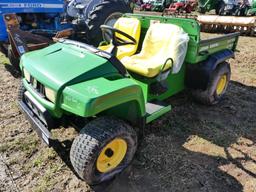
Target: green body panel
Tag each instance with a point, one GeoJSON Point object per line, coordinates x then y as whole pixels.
{"type": "Point", "coordinates": [91, 97]}
{"type": "Point", "coordinates": [87, 84]}
{"type": "Point", "coordinates": [72, 73]}
{"type": "Point", "coordinates": [175, 83]}
{"type": "Point", "coordinates": [61, 64]}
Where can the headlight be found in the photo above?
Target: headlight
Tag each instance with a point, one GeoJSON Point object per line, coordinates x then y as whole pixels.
{"type": "Point", "coordinates": [50, 94]}
{"type": "Point", "coordinates": [26, 75]}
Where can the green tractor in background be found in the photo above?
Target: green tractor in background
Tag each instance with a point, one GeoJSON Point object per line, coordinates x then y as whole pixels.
{"type": "Point", "coordinates": [228, 7]}
{"type": "Point", "coordinates": [221, 7]}
{"type": "Point", "coordinates": [160, 5]}
{"type": "Point", "coordinates": [112, 92]}
{"type": "Point", "coordinates": [248, 8]}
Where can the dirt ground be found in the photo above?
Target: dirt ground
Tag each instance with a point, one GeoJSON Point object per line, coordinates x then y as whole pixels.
{"type": "Point", "coordinates": [192, 148]}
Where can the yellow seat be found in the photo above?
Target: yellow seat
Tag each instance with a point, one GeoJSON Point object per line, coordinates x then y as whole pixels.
{"type": "Point", "coordinates": [132, 27]}
{"type": "Point", "coordinates": [161, 42]}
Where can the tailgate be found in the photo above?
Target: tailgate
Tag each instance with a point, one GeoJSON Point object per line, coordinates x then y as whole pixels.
{"type": "Point", "coordinates": [213, 45]}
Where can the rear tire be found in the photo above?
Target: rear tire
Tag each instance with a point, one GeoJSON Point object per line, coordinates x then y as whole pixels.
{"type": "Point", "coordinates": [102, 14]}
{"type": "Point", "coordinates": [217, 86]}
{"type": "Point", "coordinates": [13, 60]}
{"type": "Point", "coordinates": [104, 148]}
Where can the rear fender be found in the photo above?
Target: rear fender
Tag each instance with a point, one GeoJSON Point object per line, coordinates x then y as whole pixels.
{"type": "Point", "coordinates": [198, 75]}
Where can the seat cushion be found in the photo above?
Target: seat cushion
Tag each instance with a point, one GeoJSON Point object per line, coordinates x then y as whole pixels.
{"type": "Point", "coordinates": [132, 27]}
{"type": "Point", "coordinates": [161, 42]}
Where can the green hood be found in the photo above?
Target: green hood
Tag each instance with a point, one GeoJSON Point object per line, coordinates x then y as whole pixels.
{"type": "Point", "coordinates": [63, 64]}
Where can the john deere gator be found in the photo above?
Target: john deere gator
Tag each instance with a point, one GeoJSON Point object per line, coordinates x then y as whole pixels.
{"type": "Point", "coordinates": [117, 89]}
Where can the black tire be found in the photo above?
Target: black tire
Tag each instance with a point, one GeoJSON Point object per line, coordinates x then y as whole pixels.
{"type": "Point", "coordinates": [243, 12]}
{"type": "Point", "coordinates": [13, 60]}
{"type": "Point", "coordinates": [238, 12]}
{"type": "Point", "coordinates": [201, 10]}
{"type": "Point", "coordinates": [87, 147]}
{"type": "Point", "coordinates": [221, 8]}
{"type": "Point", "coordinates": [21, 92]}
{"type": "Point", "coordinates": [99, 16]}
{"type": "Point", "coordinates": [210, 96]}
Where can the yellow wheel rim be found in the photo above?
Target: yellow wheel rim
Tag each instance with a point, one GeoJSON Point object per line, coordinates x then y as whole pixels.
{"type": "Point", "coordinates": [221, 84]}
{"type": "Point", "coordinates": [111, 155]}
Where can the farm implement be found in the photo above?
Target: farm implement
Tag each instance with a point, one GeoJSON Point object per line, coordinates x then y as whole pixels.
{"type": "Point", "coordinates": [112, 92]}
{"type": "Point", "coordinates": [231, 16]}
{"type": "Point", "coordinates": [228, 24]}
{"type": "Point", "coordinates": [246, 26]}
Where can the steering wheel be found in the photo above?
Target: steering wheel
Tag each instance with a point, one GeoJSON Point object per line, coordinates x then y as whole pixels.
{"type": "Point", "coordinates": [111, 34]}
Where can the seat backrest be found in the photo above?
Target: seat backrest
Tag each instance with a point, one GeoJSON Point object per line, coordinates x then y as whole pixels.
{"type": "Point", "coordinates": [164, 41]}
{"type": "Point", "coordinates": [130, 26]}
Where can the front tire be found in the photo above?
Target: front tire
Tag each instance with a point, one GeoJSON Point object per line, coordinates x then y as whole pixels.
{"type": "Point", "coordinates": [13, 60]}
{"type": "Point", "coordinates": [104, 148]}
{"type": "Point", "coordinates": [21, 92]}
{"type": "Point", "coordinates": [217, 86]}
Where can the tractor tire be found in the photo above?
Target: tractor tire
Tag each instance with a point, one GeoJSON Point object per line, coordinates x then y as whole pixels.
{"type": "Point", "coordinates": [221, 9]}
{"type": "Point", "coordinates": [13, 60]}
{"type": "Point", "coordinates": [217, 86]}
{"type": "Point", "coordinates": [106, 13]}
{"type": "Point", "coordinates": [201, 10]}
{"type": "Point", "coordinates": [104, 148]}
{"type": "Point", "coordinates": [243, 12]}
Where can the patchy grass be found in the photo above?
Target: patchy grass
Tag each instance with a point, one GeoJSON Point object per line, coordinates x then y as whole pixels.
{"type": "Point", "coordinates": [46, 182]}
{"type": "Point", "coordinates": [3, 59]}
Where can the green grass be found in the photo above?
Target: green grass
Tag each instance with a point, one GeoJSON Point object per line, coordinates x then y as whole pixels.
{"type": "Point", "coordinates": [26, 145]}
{"type": "Point", "coordinates": [44, 156]}
{"type": "Point", "coordinates": [46, 182]}
{"type": "Point", "coordinates": [3, 59]}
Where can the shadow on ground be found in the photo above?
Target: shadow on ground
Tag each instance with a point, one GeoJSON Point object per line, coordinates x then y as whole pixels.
{"type": "Point", "coordinates": [16, 74]}
{"type": "Point", "coordinates": [194, 148]}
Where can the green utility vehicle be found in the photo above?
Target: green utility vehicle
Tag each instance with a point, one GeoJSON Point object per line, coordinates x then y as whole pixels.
{"type": "Point", "coordinates": [115, 90]}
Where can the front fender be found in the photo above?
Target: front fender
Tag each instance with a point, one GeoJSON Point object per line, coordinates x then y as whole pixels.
{"type": "Point", "coordinates": [92, 97]}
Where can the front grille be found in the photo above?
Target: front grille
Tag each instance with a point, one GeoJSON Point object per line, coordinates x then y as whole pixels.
{"type": "Point", "coordinates": [39, 87]}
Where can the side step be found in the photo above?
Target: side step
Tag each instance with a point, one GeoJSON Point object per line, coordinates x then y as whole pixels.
{"type": "Point", "coordinates": [155, 110]}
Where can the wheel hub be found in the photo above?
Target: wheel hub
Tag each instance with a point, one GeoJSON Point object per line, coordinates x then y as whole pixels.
{"type": "Point", "coordinates": [111, 155]}
{"type": "Point", "coordinates": [221, 84]}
